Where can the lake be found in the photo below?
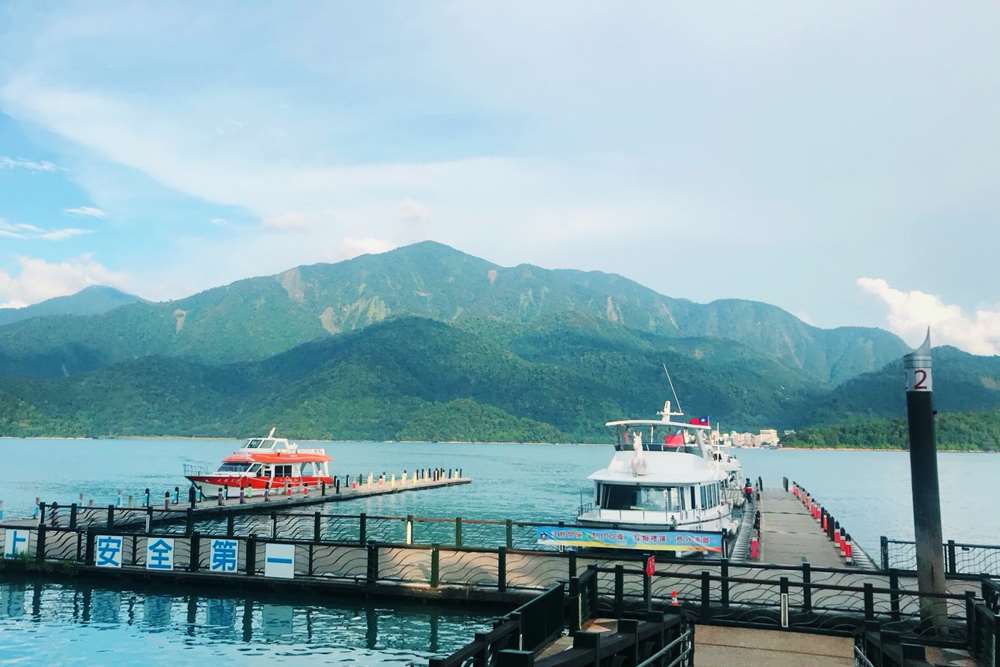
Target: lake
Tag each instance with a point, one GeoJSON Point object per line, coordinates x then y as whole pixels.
{"type": "Point", "coordinates": [869, 492]}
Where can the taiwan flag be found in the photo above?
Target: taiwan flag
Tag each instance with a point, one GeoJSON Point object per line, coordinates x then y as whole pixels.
{"type": "Point", "coordinates": [699, 421]}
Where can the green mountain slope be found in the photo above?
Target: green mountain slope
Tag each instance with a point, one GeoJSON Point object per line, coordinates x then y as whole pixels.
{"type": "Point", "coordinates": [260, 317]}
{"type": "Point", "coordinates": [93, 300]}
{"type": "Point", "coordinates": [972, 431]}
{"type": "Point", "coordinates": [413, 378]}
{"type": "Point", "coordinates": [962, 382]}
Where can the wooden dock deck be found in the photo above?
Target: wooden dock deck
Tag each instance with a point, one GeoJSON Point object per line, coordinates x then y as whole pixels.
{"type": "Point", "coordinates": [789, 535]}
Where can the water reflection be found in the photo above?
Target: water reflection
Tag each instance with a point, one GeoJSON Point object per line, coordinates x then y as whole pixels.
{"type": "Point", "coordinates": [54, 623]}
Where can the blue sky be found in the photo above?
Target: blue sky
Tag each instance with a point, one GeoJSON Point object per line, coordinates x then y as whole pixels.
{"type": "Point", "coordinates": [838, 161]}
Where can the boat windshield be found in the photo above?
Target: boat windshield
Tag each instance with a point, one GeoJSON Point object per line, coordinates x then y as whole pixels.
{"type": "Point", "coordinates": [253, 443]}
{"type": "Point", "coordinates": [647, 498]}
{"type": "Point", "coordinates": [234, 467]}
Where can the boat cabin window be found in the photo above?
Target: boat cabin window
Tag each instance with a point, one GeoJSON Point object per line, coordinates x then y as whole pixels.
{"type": "Point", "coordinates": [645, 498]}
{"type": "Point", "coordinates": [234, 467]}
{"type": "Point", "coordinates": [253, 443]}
{"type": "Point", "coordinates": [709, 495]}
{"type": "Point", "coordinates": [283, 471]}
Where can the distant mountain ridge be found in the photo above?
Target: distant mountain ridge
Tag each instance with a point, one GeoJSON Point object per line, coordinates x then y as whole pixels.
{"type": "Point", "coordinates": [414, 378]}
{"type": "Point", "coordinates": [93, 300]}
{"type": "Point", "coordinates": [257, 318]}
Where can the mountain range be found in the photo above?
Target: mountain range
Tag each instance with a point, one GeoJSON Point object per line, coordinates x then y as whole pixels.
{"type": "Point", "coordinates": [427, 342]}
{"type": "Point", "coordinates": [93, 300]}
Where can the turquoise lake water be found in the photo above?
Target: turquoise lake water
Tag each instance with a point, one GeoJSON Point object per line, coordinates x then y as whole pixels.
{"type": "Point", "coordinates": [869, 492]}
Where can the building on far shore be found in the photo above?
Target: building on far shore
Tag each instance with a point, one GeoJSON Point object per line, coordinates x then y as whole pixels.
{"type": "Point", "coordinates": [766, 437]}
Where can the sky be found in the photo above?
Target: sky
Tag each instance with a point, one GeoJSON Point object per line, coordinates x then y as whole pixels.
{"type": "Point", "coordinates": [837, 160]}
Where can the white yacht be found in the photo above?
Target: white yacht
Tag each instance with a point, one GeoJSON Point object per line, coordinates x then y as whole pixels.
{"type": "Point", "coordinates": [665, 475]}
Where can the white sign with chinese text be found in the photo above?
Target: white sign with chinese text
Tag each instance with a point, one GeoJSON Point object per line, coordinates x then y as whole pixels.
{"type": "Point", "coordinates": [279, 561]}
{"type": "Point", "coordinates": [108, 550]}
{"type": "Point", "coordinates": [160, 553]}
{"type": "Point", "coordinates": [15, 542]}
{"type": "Point", "coordinates": [224, 556]}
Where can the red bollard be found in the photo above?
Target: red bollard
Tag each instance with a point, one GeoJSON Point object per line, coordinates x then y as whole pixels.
{"type": "Point", "coordinates": [754, 549]}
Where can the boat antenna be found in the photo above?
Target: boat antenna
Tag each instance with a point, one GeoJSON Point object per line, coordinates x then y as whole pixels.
{"type": "Point", "coordinates": [273, 429]}
{"type": "Point", "coordinates": [672, 390]}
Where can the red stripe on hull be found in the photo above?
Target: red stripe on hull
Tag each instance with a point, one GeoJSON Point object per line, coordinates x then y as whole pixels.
{"type": "Point", "coordinates": [259, 482]}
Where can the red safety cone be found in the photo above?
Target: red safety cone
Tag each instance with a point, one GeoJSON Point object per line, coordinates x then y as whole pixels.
{"type": "Point", "coordinates": [673, 599]}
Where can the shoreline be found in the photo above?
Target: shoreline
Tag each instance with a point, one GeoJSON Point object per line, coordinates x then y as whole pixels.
{"type": "Point", "coordinates": [215, 438]}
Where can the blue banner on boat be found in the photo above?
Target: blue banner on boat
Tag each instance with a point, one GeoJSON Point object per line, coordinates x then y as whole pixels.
{"type": "Point", "coordinates": [616, 538]}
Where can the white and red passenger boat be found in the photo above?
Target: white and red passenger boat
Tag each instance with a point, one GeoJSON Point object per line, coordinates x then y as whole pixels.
{"type": "Point", "coordinates": [263, 463]}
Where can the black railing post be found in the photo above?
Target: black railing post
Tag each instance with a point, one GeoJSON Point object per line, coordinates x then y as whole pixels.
{"type": "Point", "coordinates": [195, 552]}
{"type": "Point", "coordinates": [502, 569]}
{"type": "Point", "coordinates": [647, 589]}
{"type": "Point", "coordinates": [189, 522]}
{"type": "Point", "coordinates": [894, 595]}
{"type": "Point", "coordinates": [869, 602]}
{"type": "Point", "coordinates": [88, 558]}
{"type": "Point", "coordinates": [619, 590]}
{"type": "Point", "coordinates": [40, 542]}
{"type": "Point", "coordinates": [230, 525]}
{"type": "Point", "coordinates": [706, 594]}
{"type": "Point", "coordinates": [72, 516]}
{"type": "Point", "coordinates": [970, 620]}
{"type": "Point", "coordinates": [41, 513]}
{"type": "Point", "coordinates": [111, 516]}
{"type": "Point", "coordinates": [458, 531]}
{"type": "Point", "coordinates": [509, 525]}
{"type": "Point", "coordinates": [435, 566]}
{"type": "Point", "coordinates": [317, 526]}
{"type": "Point", "coordinates": [274, 525]}
{"type": "Point", "coordinates": [572, 564]}
{"type": "Point", "coordinates": [807, 594]}
{"type": "Point", "coordinates": [372, 563]}
{"type": "Point", "coordinates": [724, 573]}
{"type": "Point", "coordinates": [884, 548]}
{"type": "Point", "coordinates": [363, 529]}
{"type": "Point", "coordinates": [952, 568]}
{"type": "Point", "coordinates": [252, 555]}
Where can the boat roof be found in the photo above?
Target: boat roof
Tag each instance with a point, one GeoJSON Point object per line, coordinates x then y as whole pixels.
{"type": "Point", "coordinates": [269, 456]}
{"type": "Point", "coordinates": [657, 422]}
{"type": "Point", "coordinates": [662, 469]}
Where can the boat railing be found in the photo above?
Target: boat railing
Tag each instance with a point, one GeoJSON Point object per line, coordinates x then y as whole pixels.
{"type": "Point", "coordinates": [195, 469]}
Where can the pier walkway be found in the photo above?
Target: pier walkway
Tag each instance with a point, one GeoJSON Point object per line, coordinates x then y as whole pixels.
{"type": "Point", "coordinates": [179, 508]}
{"type": "Point", "coordinates": [788, 534]}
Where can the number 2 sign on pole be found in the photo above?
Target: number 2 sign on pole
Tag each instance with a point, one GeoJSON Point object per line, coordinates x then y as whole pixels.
{"type": "Point", "coordinates": [918, 368]}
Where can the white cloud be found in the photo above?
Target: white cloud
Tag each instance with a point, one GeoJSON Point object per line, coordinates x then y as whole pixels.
{"type": "Point", "coordinates": [23, 231]}
{"type": "Point", "coordinates": [353, 247]}
{"type": "Point", "coordinates": [29, 165]}
{"type": "Point", "coordinates": [38, 279]}
{"type": "Point", "coordinates": [65, 233]}
{"type": "Point", "coordinates": [86, 211]}
{"type": "Point", "coordinates": [910, 313]}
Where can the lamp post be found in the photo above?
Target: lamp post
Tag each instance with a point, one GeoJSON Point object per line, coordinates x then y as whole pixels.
{"type": "Point", "coordinates": [924, 483]}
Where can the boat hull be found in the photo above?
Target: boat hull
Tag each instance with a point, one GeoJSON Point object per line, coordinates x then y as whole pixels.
{"type": "Point", "coordinates": [215, 485]}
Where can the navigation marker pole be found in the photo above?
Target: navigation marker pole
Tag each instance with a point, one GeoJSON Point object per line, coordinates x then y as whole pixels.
{"type": "Point", "coordinates": [924, 483]}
